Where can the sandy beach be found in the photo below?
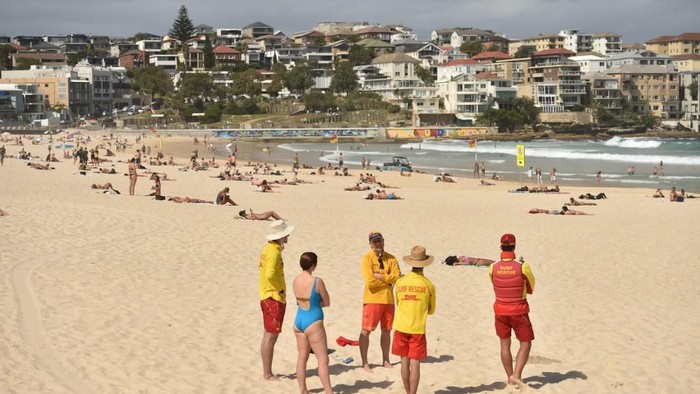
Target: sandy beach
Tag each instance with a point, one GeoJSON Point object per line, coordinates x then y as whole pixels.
{"type": "Point", "coordinates": [107, 293]}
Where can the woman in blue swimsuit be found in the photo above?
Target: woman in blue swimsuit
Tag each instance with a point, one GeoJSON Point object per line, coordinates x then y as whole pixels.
{"type": "Point", "coordinates": [312, 296]}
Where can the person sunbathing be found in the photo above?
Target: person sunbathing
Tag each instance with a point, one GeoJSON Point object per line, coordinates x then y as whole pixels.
{"type": "Point", "coordinates": [189, 200]}
{"type": "Point", "coordinates": [259, 216]}
{"type": "Point", "coordinates": [658, 194]}
{"type": "Point", "coordinates": [566, 211]}
{"type": "Point", "coordinates": [40, 166]}
{"type": "Point", "coordinates": [106, 187]}
{"type": "Point", "coordinates": [574, 203]}
{"type": "Point", "coordinates": [382, 195]}
{"type": "Point", "coordinates": [546, 211]}
{"type": "Point", "coordinates": [486, 183]}
{"type": "Point", "coordinates": [358, 188]}
{"type": "Point", "coordinates": [466, 260]}
{"type": "Point", "coordinates": [107, 170]}
{"type": "Point", "coordinates": [3, 213]}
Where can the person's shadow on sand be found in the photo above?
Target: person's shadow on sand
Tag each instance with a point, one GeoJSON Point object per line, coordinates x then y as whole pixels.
{"type": "Point", "coordinates": [443, 358]}
{"type": "Point", "coordinates": [475, 389]}
{"type": "Point", "coordinates": [362, 385]}
{"type": "Point", "coordinates": [537, 382]}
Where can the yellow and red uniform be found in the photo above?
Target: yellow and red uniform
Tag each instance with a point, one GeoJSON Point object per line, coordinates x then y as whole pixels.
{"type": "Point", "coordinates": [512, 282]}
{"type": "Point", "coordinates": [379, 291]}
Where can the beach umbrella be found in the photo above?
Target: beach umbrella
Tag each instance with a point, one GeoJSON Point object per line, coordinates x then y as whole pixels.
{"type": "Point", "coordinates": [6, 134]}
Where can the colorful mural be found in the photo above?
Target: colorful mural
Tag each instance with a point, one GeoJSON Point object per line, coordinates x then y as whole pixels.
{"type": "Point", "coordinates": [391, 133]}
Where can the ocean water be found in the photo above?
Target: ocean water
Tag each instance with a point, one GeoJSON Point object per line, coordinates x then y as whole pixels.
{"type": "Point", "coordinates": [577, 162]}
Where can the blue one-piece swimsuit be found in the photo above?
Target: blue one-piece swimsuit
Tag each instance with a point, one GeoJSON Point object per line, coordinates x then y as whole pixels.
{"type": "Point", "coordinates": [307, 317]}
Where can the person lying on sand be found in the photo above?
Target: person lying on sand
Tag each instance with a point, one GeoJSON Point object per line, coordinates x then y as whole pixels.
{"type": "Point", "coordinates": [107, 186]}
{"type": "Point", "coordinates": [259, 216]}
{"type": "Point", "coordinates": [189, 200]}
{"type": "Point", "coordinates": [599, 196]}
{"type": "Point", "coordinates": [466, 260]}
{"type": "Point", "coordinates": [40, 166]}
{"type": "Point", "coordinates": [358, 188]}
{"type": "Point", "coordinates": [382, 195]}
{"type": "Point", "coordinates": [3, 213]}
{"type": "Point", "coordinates": [574, 203]}
{"type": "Point", "coordinates": [486, 183]}
{"type": "Point", "coordinates": [566, 211]}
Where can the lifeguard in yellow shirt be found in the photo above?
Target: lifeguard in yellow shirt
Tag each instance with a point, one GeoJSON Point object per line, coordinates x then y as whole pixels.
{"type": "Point", "coordinates": [415, 300]}
{"type": "Point", "coordinates": [273, 296]}
{"type": "Point", "coordinates": [380, 271]}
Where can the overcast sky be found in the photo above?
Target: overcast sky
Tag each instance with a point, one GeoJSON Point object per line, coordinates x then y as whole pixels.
{"type": "Point", "coordinates": [635, 20]}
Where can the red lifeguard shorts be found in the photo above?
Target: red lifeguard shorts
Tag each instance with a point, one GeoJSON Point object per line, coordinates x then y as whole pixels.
{"type": "Point", "coordinates": [273, 314]}
{"type": "Point", "coordinates": [520, 324]}
{"type": "Point", "coordinates": [410, 345]}
{"type": "Point", "coordinates": [373, 314]}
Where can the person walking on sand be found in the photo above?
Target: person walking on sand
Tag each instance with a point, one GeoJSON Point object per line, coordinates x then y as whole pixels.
{"type": "Point", "coordinates": [598, 176]}
{"type": "Point", "coordinates": [380, 270]}
{"type": "Point", "coordinates": [312, 296]}
{"type": "Point", "coordinates": [273, 296]}
{"type": "Point", "coordinates": [415, 300]}
{"type": "Point", "coordinates": [512, 281]}
{"type": "Point", "coordinates": [133, 176]}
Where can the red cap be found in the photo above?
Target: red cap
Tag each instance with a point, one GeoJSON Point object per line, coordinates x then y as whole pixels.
{"type": "Point", "coordinates": [508, 239]}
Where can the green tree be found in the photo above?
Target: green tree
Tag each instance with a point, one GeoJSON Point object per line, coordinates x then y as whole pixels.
{"type": "Point", "coordinates": [6, 52]}
{"type": "Point", "coordinates": [527, 109]}
{"type": "Point", "coordinates": [208, 54]}
{"type": "Point", "coordinates": [299, 79]}
{"type": "Point", "coordinates": [197, 85]}
{"type": "Point", "coordinates": [317, 101]}
{"type": "Point", "coordinates": [278, 79]}
{"type": "Point", "coordinates": [506, 120]}
{"type": "Point", "coordinates": [152, 80]}
{"type": "Point", "coordinates": [523, 52]}
{"type": "Point", "coordinates": [182, 29]}
{"type": "Point", "coordinates": [246, 83]}
{"type": "Point", "coordinates": [73, 58]}
{"type": "Point", "coordinates": [212, 114]}
{"type": "Point", "coordinates": [693, 87]}
{"type": "Point", "coordinates": [359, 55]}
{"type": "Point", "coordinates": [425, 75]}
{"type": "Point", "coordinates": [26, 63]}
{"type": "Point", "coordinates": [471, 48]}
{"type": "Point", "coordinates": [344, 78]}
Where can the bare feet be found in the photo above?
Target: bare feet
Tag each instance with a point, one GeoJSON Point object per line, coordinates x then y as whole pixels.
{"type": "Point", "coordinates": [367, 368]}
{"type": "Point", "coordinates": [517, 382]}
{"type": "Point", "coordinates": [271, 378]}
{"type": "Point", "coordinates": [387, 364]}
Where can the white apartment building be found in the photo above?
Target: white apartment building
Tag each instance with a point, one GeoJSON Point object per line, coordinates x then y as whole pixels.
{"type": "Point", "coordinates": [576, 41]}
{"type": "Point", "coordinates": [607, 43]}
{"type": "Point", "coordinates": [591, 63]}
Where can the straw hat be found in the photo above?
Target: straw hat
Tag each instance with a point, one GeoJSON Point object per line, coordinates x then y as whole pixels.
{"type": "Point", "coordinates": [418, 257]}
{"type": "Point", "coordinates": [280, 229]}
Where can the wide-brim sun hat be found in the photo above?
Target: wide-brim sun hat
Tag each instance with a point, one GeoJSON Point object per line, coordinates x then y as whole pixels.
{"type": "Point", "coordinates": [418, 257]}
{"type": "Point", "coordinates": [280, 229]}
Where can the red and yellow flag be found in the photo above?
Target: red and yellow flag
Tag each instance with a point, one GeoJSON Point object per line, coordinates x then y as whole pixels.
{"type": "Point", "coordinates": [334, 139]}
{"type": "Point", "coordinates": [471, 143]}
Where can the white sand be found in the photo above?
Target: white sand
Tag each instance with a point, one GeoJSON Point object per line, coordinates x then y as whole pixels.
{"type": "Point", "coordinates": [119, 294]}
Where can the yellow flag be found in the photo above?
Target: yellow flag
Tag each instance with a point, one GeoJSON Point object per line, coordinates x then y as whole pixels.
{"type": "Point", "coordinates": [334, 139]}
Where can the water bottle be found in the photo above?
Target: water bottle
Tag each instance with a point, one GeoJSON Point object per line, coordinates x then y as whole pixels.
{"type": "Point", "coordinates": [345, 361]}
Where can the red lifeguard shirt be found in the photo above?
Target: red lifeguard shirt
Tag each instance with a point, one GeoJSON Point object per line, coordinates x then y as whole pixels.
{"type": "Point", "coordinates": [512, 282]}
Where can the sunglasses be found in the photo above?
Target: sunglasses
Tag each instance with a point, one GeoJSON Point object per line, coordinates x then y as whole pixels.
{"type": "Point", "coordinates": [381, 264]}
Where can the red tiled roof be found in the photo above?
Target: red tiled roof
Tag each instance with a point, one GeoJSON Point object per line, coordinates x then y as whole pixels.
{"type": "Point", "coordinates": [688, 37]}
{"type": "Point", "coordinates": [458, 62]}
{"type": "Point", "coordinates": [40, 55]}
{"type": "Point", "coordinates": [492, 55]}
{"type": "Point", "coordinates": [689, 56]}
{"type": "Point", "coordinates": [661, 40]}
{"type": "Point", "coordinates": [554, 51]}
{"type": "Point", "coordinates": [487, 75]}
{"type": "Point", "coordinates": [225, 49]}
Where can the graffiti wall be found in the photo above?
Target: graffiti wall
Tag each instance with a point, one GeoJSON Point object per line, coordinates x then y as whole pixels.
{"type": "Point", "coordinates": [390, 133]}
{"type": "Point", "coordinates": [299, 133]}
{"type": "Point", "coordinates": [446, 132]}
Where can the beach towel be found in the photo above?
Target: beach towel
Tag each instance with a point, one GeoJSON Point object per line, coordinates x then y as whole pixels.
{"type": "Point", "coordinates": [342, 341]}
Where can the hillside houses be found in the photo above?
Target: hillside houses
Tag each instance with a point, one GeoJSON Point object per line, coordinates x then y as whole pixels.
{"type": "Point", "coordinates": [561, 72]}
